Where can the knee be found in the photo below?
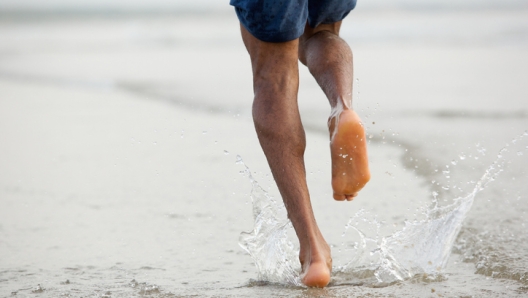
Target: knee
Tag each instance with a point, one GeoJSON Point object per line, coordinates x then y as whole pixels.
{"type": "Point", "coordinates": [277, 121]}
{"type": "Point", "coordinates": [275, 88]}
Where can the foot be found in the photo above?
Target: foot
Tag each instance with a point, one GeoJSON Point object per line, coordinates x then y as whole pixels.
{"type": "Point", "coordinates": [317, 266]}
{"type": "Point", "coordinates": [348, 148]}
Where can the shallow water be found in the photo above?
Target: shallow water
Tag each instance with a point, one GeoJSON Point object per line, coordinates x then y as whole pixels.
{"type": "Point", "coordinates": [118, 174]}
{"type": "Point", "coordinates": [421, 248]}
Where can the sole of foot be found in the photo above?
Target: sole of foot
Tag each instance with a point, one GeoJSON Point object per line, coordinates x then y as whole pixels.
{"type": "Point", "coordinates": [348, 148]}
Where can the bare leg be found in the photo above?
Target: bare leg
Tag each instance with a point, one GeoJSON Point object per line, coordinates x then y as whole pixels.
{"type": "Point", "coordinates": [281, 135]}
{"type": "Point", "coordinates": [329, 59]}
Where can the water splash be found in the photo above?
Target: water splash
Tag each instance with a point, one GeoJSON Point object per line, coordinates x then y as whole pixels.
{"type": "Point", "coordinates": [268, 243]}
{"type": "Point", "coordinates": [421, 247]}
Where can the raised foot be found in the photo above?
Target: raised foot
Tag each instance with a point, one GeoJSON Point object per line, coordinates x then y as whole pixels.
{"type": "Point", "coordinates": [348, 148]}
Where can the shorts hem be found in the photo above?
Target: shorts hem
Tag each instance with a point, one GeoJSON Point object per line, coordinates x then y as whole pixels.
{"type": "Point", "coordinates": [269, 36]}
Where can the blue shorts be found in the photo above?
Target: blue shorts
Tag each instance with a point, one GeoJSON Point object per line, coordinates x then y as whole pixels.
{"type": "Point", "coordinates": [284, 20]}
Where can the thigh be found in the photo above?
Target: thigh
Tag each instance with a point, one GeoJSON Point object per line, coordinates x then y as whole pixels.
{"type": "Point", "coordinates": [309, 31]}
{"type": "Point", "coordinates": [272, 20]}
{"type": "Point", "coordinates": [271, 61]}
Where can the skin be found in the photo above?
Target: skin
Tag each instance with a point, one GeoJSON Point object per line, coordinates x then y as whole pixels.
{"type": "Point", "coordinates": [282, 137]}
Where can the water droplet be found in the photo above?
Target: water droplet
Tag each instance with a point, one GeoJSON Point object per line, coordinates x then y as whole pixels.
{"type": "Point", "coordinates": [462, 157]}
{"type": "Point", "coordinates": [239, 160]}
{"type": "Point", "coordinates": [155, 143]}
{"type": "Point", "coordinates": [519, 153]}
{"type": "Point", "coordinates": [453, 162]}
{"type": "Point", "coordinates": [481, 150]}
{"type": "Point", "coordinates": [226, 152]}
{"type": "Point", "coordinates": [204, 132]}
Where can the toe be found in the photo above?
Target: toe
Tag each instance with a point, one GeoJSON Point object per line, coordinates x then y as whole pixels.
{"type": "Point", "coordinates": [350, 197]}
{"type": "Point", "coordinates": [339, 197]}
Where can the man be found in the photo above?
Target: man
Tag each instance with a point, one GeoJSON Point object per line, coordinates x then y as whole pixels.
{"type": "Point", "coordinates": [278, 34]}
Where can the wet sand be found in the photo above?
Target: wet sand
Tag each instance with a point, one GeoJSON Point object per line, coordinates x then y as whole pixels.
{"type": "Point", "coordinates": [120, 136]}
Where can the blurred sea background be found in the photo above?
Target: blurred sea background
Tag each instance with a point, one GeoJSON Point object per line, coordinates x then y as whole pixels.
{"type": "Point", "coordinates": [121, 123]}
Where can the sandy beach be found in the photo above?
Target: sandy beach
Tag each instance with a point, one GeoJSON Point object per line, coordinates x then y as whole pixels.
{"type": "Point", "coordinates": [119, 136]}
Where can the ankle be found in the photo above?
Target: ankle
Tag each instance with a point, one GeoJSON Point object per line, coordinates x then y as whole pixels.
{"type": "Point", "coordinates": [316, 250]}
